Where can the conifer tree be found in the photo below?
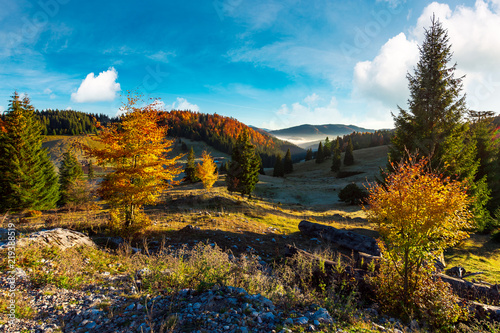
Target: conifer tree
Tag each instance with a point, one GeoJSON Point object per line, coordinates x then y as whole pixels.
{"type": "Point", "coordinates": [434, 124]}
{"type": "Point", "coordinates": [349, 157]}
{"type": "Point", "coordinates": [320, 156]}
{"type": "Point", "coordinates": [337, 160]}
{"type": "Point", "coordinates": [69, 172]}
{"type": "Point", "coordinates": [327, 148]}
{"type": "Point", "coordinates": [190, 170]}
{"type": "Point", "coordinates": [288, 163]}
{"type": "Point", "coordinates": [90, 174]}
{"type": "Point", "coordinates": [309, 154]}
{"type": "Point", "coordinates": [279, 170]}
{"type": "Point", "coordinates": [27, 176]}
{"type": "Point", "coordinates": [243, 172]}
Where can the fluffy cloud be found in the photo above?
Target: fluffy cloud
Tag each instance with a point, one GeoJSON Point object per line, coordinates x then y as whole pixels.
{"type": "Point", "coordinates": [473, 33]}
{"type": "Point", "coordinates": [303, 112]}
{"type": "Point", "coordinates": [183, 104]}
{"type": "Point", "coordinates": [384, 78]}
{"type": "Point", "coordinates": [98, 88]}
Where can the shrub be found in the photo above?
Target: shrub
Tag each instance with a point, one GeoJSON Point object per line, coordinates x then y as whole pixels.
{"type": "Point", "coordinates": [353, 194]}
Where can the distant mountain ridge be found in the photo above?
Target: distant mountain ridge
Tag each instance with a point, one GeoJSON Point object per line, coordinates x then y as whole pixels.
{"type": "Point", "coordinates": [320, 130]}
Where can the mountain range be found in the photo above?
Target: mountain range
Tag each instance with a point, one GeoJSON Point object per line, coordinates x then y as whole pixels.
{"type": "Point", "coordinates": [307, 135]}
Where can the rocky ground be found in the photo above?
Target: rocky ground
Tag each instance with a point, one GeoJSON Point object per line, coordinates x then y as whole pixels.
{"type": "Point", "coordinates": [98, 309]}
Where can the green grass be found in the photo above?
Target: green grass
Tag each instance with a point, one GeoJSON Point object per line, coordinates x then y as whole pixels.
{"type": "Point", "coordinates": [479, 253]}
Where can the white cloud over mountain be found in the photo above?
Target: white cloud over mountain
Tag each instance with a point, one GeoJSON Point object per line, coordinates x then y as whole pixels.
{"type": "Point", "coordinates": [100, 88]}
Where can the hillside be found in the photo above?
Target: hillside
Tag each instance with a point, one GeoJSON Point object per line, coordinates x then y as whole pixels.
{"type": "Point", "coordinates": [222, 133]}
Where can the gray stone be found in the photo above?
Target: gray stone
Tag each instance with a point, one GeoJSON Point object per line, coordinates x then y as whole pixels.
{"type": "Point", "coordinates": [301, 321]}
{"type": "Point", "coordinates": [62, 238]}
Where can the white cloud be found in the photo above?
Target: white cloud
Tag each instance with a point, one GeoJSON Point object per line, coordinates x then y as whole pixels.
{"type": "Point", "coordinates": [291, 57]}
{"type": "Point", "coordinates": [473, 33]}
{"type": "Point", "coordinates": [311, 99]}
{"type": "Point", "coordinates": [298, 113]}
{"type": "Point", "coordinates": [384, 78]}
{"type": "Point", "coordinates": [183, 104]}
{"type": "Point", "coordinates": [162, 56]}
{"type": "Point", "coordinates": [98, 88]}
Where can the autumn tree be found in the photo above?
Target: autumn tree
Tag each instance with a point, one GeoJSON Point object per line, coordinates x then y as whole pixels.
{"type": "Point", "coordinates": [69, 172]}
{"type": "Point", "coordinates": [27, 176]}
{"type": "Point", "coordinates": [190, 169]}
{"type": "Point", "coordinates": [418, 214]}
{"type": "Point", "coordinates": [136, 149]}
{"type": "Point", "coordinates": [207, 171]}
{"type": "Point", "coordinates": [348, 156]}
{"type": "Point", "coordinates": [287, 162]}
{"type": "Point", "coordinates": [243, 172]}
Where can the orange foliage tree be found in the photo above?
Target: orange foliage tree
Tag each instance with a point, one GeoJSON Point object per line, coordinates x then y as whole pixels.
{"type": "Point", "coordinates": [136, 148]}
{"type": "Point", "coordinates": [207, 171]}
{"type": "Point", "coordinates": [418, 214]}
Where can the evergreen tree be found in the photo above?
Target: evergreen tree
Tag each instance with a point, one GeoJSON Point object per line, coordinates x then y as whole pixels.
{"type": "Point", "coordinates": [69, 172]}
{"type": "Point", "coordinates": [279, 170]}
{"type": "Point", "coordinates": [327, 148]}
{"type": "Point", "coordinates": [90, 174]}
{"type": "Point", "coordinates": [190, 170]}
{"type": "Point", "coordinates": [320, 156]}
{"type": "Point", "coordinates": [349, 157]}
{"type": "Point", "coordinates": [434, 124]}
{"type": "Point", "coordinates": [243, 172]}
{"type": "Point", "coordinates": [27, 176]}
{"type": "Point", "coordinates": [288, 163]}
{"type": "Point", "coordinates": [337, 160]}
{"type": "Point", "coordinates": [309, 154]}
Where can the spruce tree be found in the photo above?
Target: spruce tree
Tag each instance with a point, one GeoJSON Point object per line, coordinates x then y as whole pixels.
{"type": "Point", "coordinates": [90, 173]}
{"type": "Point", "coordinates": [243, 172]}
{"type": "Point", "coordinates": [309, 154]}
{"type": "Point", "coordinates": [320, 156]}
{"type": "Point", "coordinates": [349, 157]}
{"type": "Point", "coordinates": [337, 160]}
{"type": "Point", "coordinates": [69, 172]}
{"type": "Point", "coordinates": [27, 176]}
{"type": "Point", "coordinates": [327, 148]}
{"type": "Point", "coordinates": [434, 124]}
{"type": "Point", "coordinates": [279, 170]}
{"type": "Point", "coordinates": [190, 170]}
{"type": "Point", "coordinates": [288, 163]}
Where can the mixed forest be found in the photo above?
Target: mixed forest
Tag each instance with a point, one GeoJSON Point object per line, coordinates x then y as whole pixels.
{"type": "Point", "coordinates": [441, 184]}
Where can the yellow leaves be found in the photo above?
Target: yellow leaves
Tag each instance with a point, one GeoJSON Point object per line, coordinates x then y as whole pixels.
{"type": "Point", "coordinates": [206, 171]}
{"type": "Point", "coordinates": [136, 148]}
{"type": "Point", "coordinates": [417, 203]}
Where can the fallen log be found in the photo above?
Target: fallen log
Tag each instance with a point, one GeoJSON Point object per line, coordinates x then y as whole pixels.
{"type": "Point", "coordinates": [468, 291]}
{"type": "Point", "coordinates": [472, 291]}
{"type": "Point", "coordinates": [347, 239]}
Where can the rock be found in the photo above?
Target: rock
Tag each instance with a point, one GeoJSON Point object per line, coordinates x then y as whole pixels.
{"type": "Point", "coordinates": [62, 238]}
{"type": "Point", "coordinates": [323, 316]}
{"type": "Point", "coordinates": [301, 321]}
{"type": "Point", "coordinates": [456, 271]}
{"type": "Point", "coordinates": [348, 239]}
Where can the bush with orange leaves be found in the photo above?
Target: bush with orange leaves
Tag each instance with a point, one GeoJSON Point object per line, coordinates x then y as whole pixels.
{"type": "Point", "coordinates": [418, 214]}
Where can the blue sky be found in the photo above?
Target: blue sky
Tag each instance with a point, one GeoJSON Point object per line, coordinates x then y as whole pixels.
{"type": "Point", "coordinates": [271, 64]}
